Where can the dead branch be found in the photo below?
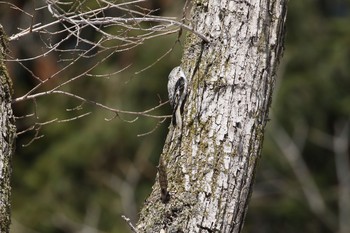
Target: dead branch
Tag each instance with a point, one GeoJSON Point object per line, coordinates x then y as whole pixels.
{"type": "Point", "coordinates": [91, 18]}
{"type": "Point", "coordinates": [36, 127]}
{"type": "Point", "coordinates": [74, 118]}
{"type": "Point", "coordinates": [114, 110]}
{"type": "Point", "coordinates": [117, 27]}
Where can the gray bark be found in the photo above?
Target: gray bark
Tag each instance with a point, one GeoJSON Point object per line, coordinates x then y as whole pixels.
{"type": "Point", "coordinates": [211, 161]}
{"type": "Point", "coordinates": [7, 139]}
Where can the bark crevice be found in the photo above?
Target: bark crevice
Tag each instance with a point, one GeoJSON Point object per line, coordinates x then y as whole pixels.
{"type": "Point", "coordinates": [7, 139]}
{"type": "Point", "coordinates": [231, 82]}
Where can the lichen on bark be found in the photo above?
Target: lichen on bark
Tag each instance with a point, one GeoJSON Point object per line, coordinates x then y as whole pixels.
{"type": "Point", "coordinates": [7, 138]}
{"type": "Point", "coordinates": [212, 160]}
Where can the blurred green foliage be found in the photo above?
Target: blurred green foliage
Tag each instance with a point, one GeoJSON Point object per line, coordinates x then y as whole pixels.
{"type": "Point", "coordinates": [88, 172]}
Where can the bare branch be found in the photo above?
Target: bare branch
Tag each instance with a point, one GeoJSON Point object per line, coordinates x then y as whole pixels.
{"type": "Point", "coordinates": [154, 129]}
{"type": "Point", "coordinates": [37, 128]}
{"type": "Point", "coordinates": [128, 221]}
{"type": "Point", "coordinates": [117, 111]}
{"type": "Point", "coordinates": [74, 118]}
{"type": "Point", "coordinates": [24, 116]}
{"type": "Point", "coordinates": [156, 61]}
{"type": "Point", "coordinates": [301, 171]}
{"type": "Point", "coordinates": [13, 6]}
{"type": "Point", "coordinates": [342, 163]}
{"type": "Point", "coordinates": [116, 26]}
{"type": "Point", "coordinates": [91, 18]}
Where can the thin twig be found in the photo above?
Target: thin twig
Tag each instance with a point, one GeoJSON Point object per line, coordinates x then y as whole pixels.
{"type": "Point", "coordinates": [154, 128]}
{"type": "Point", "coordinates": [37, 128]}
{"type": "Point", "coordinates": [74, 118]}
{"type": "Point", "coordinates": [128, 221]}
{"type": "Point", "coordinates": [156, 61]}
{"type": "Point", "coordinates": [118, 111]}
{"type": "Point", "coordinates": [92, 19]}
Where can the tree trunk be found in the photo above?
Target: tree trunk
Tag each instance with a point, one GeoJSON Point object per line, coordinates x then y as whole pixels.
{"type": "Point", "coordinates": [7, 139]}
{"type": "Point", "coordinates": [210, 163]}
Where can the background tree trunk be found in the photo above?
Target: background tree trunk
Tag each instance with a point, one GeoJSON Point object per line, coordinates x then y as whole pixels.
{"type": "Point", "coordinates": [211, 161]}
{"type": "Point", "coordinates": [7, 139]}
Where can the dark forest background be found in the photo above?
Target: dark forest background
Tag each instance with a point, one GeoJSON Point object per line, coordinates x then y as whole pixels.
{"type": "Point", "coordinates": [82, 175]}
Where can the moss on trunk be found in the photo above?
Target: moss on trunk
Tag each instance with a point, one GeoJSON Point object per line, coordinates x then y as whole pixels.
{"type": "Point", "coordinates": [7, 139]}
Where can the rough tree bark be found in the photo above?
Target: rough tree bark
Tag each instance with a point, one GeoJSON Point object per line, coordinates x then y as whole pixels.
{"type": "Point", "coordinates": [7, 139]}
{"type": "Point", "coordinates": [210, 163]}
